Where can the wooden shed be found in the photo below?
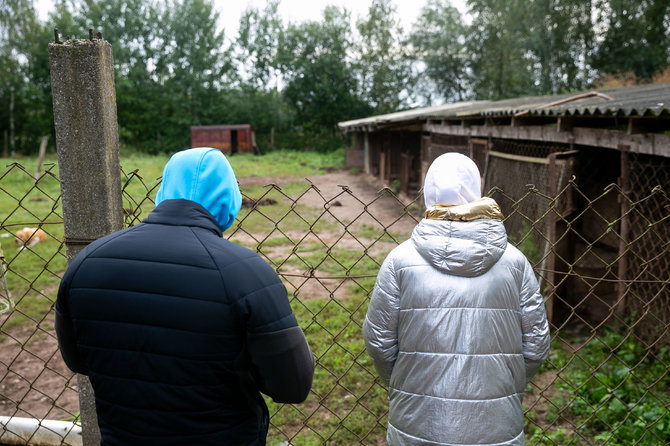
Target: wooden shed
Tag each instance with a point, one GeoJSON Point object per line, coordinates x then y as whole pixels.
{"type": "Point", "coordinates": [572, 145]}
{"type": "Point", "coordinates": [230, 139]}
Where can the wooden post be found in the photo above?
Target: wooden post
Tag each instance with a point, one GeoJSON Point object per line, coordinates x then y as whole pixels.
{"type": "Point", "coordinates": [6, 302]}
{"type": "Point", "coordinates": [382, 167]}
{"type": "Point", "coordinates": [40, 156]}
{"type": "Point", "coordinates": [405, 164]}
{"type": "Point", "coordinates": [550, 254]}
{"type": "Point", "coordinates": [622, 267]}
{"type": "Point", "coordinates": [84, 101]}
{"type": "Point", "coordinates": [366, 152]}
{"type": "Point", "coordinates": [272, 139]}
{"type": "Point", "coordinates": [5, 144]}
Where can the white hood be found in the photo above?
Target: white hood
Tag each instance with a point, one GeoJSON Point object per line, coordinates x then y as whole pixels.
{"type": "Point", "coordinates": [460, 248]}
{"type": "Point", "coordinates": [452, 179]}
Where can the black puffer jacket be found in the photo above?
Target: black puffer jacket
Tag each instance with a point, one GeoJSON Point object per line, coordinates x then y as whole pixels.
{"type": "Point", "coordinates": [179, 330]}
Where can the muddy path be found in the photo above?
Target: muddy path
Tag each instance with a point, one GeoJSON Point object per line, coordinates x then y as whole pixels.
{"type": "Point", "coordinates": [359, 215]}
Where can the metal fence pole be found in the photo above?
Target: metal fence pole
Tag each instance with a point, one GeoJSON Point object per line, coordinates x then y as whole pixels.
{"type": "Point", "coordinates": [84, 99]}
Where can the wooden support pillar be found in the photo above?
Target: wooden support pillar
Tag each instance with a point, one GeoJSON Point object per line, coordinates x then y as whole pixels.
{"type": "Point", "coordinates": [382, 167]}
{"type": "Point", "coordinates": [405, 165]}
{"type": "Point", "coordinates": [550, 254]}
{"type": "Point", "coordinates": [624, 201]}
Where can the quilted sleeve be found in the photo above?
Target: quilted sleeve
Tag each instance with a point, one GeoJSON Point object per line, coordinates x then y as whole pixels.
{"type": "Point", "coordinates": [534, 324]}
{"type": "Point", "coordinates": [380, 328]}
{"type": "Point", "coordinates": [282, 362]}
{"type": "Point", "coordinates": [67, 342]}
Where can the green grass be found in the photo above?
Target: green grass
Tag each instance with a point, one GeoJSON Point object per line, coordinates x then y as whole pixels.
{"type": "Point", "coordinates": [346, 403]}
{"type": "Point", "coordinates": [278, 164]}
{"type": "Point", "coordinates": [331, 261]}
{"type": "Point", "coordinates": [613, 390]}
{"type": "Point", "coordinates": [32, 274]}
{"type": "Point", "coordinates": [272, 164]}
{"type": "Point", "coordinates": [377, 233]}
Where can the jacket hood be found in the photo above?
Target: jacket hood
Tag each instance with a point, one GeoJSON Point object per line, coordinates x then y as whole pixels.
{"type": "Point", "coordinates": [452, 179]}
{"type": "Point", "coordinates": [202, 175]}
{"type": "Point", "coordinates": [462, 240]}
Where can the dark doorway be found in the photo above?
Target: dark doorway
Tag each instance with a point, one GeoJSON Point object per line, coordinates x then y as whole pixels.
{"type": "Point", "coordinates": [233, 142]}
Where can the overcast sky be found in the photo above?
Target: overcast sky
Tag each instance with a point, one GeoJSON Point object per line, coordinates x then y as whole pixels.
{"type": "Point", "coordinates": [294, 10]}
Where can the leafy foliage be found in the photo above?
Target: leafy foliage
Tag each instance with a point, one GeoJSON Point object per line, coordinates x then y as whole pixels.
{"type": "Point", "coordinates": [636, 39]}
{"type": "Point", "coordinates": [295, 81]}
{"type": "Point", "coordinates": [381, 63]}
{"type": "Point", "coordinates": [621, 392]}
{"type": "Point", "coordinates": [500, 63]}
{"type": "Point", "coordinates": [438, 41]}
{"type": "Point", "coordinates": [320, 81]}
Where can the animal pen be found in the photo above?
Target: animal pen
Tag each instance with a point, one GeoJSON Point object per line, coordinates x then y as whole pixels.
{"type": "Point", "coordinates": [599, 245]}
{"type": "Point", "coordinates": [571, 149]}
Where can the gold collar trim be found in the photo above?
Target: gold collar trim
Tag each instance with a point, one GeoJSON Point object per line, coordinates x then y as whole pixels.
{"type": "Point", "coordinates": [482, 208]}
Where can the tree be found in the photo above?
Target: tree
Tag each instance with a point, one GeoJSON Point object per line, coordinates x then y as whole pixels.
{"type": "Point", "coordinates": [560, 38]}
{"type": "Point", "coordinates": [321, 84]}
{"type": "Point", "coordinates": [134, 29]}
{"type": "Point", "coordinates": [20, 34]}
{"type": "Point", "coordinates": [258, 44]}
{"type": "Point", "coordinates": [497, 41]}
{"type": "Point", "coordinates": [437, 43]}
{"type": "Point", "coordinates": [257, 48]}
{"type": "Point", "coordinates": [170, 65]}
{"type": "Point", "coordinates": [636, 38]}
{"type": "Point", "coordinates": [194, 64]}
{"type": "Point", "coordinates": [382, 65]}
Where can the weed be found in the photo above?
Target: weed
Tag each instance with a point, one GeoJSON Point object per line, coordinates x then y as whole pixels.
{"type": "Point", "coordinates": [614, 389]}
{"type": "Point", "coordinates": [344, 379]}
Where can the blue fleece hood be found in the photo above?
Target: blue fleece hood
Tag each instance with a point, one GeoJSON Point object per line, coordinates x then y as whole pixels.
{"type": "Point", "coordinates": [202, 175]}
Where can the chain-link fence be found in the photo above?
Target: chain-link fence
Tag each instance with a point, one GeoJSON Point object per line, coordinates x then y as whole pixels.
{"type": "Point", "coordinates": [602, 259]}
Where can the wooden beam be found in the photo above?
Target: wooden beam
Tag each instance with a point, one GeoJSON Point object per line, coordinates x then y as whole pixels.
{"type": "Point", "coordinates": [646, 125]}
{"type": "Point", "coordinates": [522, 121]}
{"type": "Point", "coordinates": [648, 143]}
{"type": "Point", "coordinates": [526, 159]}
{"type": "Point", "coordinates": [565, 124]}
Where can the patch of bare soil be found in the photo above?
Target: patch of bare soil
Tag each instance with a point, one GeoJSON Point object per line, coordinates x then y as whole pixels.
{"type": "Point", "coordinates": [351, 202]}
{"type": "Point", "coordinates": [34, 381]}
{"type": "Point", "coordinates": [546, 397]}
{"type": "Point", "coordinates": [538, 399]}
{"type": "Point", "coordinates": [358, 198]}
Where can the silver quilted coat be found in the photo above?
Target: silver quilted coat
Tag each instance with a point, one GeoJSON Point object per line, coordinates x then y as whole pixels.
{"type": "Point", "coordinates": [456, 326]}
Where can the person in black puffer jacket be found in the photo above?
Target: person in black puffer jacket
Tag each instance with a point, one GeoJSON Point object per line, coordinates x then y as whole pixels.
{"type": "Point", "coordinates": [179, 329]}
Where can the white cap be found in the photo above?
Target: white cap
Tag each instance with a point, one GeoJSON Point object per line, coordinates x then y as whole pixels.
{"type": "Point", "coordinates": [453, 179]}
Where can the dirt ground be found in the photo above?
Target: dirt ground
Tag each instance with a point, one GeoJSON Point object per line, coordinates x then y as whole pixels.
{"type": "Point", "coordinates": [350, 196]}
{"type": "Point", "coordinates": [34, 382]}
{"type": "Point", "coordinates": [350, 201]}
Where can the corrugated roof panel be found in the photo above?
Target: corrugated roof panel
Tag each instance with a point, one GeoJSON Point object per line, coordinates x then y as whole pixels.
{"type": "Point", "coordinates": [640, 100]}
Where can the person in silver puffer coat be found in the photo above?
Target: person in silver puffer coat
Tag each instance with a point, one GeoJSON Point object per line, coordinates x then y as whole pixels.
{"type": "Point", "coordinates": [456, 324]}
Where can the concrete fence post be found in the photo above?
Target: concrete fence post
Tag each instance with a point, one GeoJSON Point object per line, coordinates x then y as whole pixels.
{"type": "Point", "coordinates": [87, 143]}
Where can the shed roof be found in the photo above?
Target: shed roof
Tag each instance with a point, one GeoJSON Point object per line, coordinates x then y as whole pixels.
{"type": "Point", "coordinates": [641, 100]}
{"type": "Point", "coordinates": [223, 127]}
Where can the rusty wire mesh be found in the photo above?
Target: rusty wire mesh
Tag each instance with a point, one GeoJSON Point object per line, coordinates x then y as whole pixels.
{"type": "Point", "coordinates": [34, 382]}
{"type": "Point", "coordinates": [606, 381]}
{"type": "Point", "coordinates": [649, 229]}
